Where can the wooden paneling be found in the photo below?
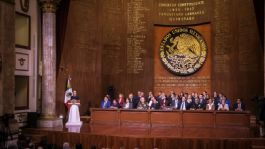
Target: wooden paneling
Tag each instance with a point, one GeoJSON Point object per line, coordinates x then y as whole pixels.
{"type": "Point", "coordinates": [173, 119]}
{"type": "Point", "coordinates": [81, 55]}
{"type": "Point", "coordinates": [7, 57]}
{"type": "Point", "coordinates": [159, 118]}
{"type": "Point", "coordinates": [114, 42]}
{"type": "Point", "coordinates": [130, 118]}
{"type": "Point", "coordinates": [200, 119]}
{"type": "Point", "coordinates": [127, 58]}
{"type": "Point", "coordinates": [201, 132]}
{"type": "Point", "coordinates": [234, 119]}
{"type": "Point", "coordinates": [237, 53]}
{"type": "Point", "coordinates": [101, 117]}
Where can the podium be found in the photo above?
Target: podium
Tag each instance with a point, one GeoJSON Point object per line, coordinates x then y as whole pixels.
{"type": "Point", "coordinates": [73, 114]}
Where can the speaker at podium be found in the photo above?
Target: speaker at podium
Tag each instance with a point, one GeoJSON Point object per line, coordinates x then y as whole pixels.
{"type": "Point", "coordinates": [73, 114]}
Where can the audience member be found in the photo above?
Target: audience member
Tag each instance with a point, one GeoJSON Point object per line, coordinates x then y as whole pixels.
{"type": "Point", "coordinates": [66, 145]}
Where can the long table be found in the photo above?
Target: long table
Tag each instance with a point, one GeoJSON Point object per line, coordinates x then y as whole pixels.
{"type": "Point", "coordinates": [207, 123]}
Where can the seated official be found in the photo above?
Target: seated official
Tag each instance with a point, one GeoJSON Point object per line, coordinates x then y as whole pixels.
{"type": "Point", "coordinates": [142, 104]}
{"type": "Point", "coordinates": [120, 100]}
{"type": "Point", "coordinates": [227, 101]}
{"type": "Point", "coordinates": [163, 102]}
{"type": "Point", "coordinates": [154, 104]}
{"type": "Point", "coordinates": [127, 104]}
{"type": "Point", "coordinates": [189, 99]}
{"type": "Point", "coordinates": [202, 102]}
{"type": "Point", "coordinates": [150, 95]}
{"type": "Point", "coordinates": [196, 105]}
{"type": "Point", "coordinates": [105, 104]}
{"type": "Point", "coordinates": [183, 105]}
{"type": "Point", "coordinates": [216, 100]}
{"type": "Point", "coordinates": [175, 102]}
{"type": "Point", "coordinates": [239, 105]}
{"type": "Point", "coordinates": [210, 105]}
{"type": "Point", "coordinates": [135, 100]}
{"type": "Point", "coordinates": [223, 106]}
{"type": "Point", "coordinates": [114, 104]}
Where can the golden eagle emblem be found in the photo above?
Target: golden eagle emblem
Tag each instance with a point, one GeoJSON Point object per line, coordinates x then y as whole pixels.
{"type": "Point", "coordinates": [183, 51]}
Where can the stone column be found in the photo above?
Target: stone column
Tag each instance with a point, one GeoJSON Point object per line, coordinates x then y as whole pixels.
{"type": "Point", "coordinates": [49, 118]}
{"type": "Point", "coordinates": [7, 56]}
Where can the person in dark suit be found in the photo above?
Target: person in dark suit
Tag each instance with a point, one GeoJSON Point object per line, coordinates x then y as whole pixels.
{"type": "Point", "coordinates": [163, 102]}
{"type": "Point", "coordinates": [196, 105]}
{"type": "Point", "coordinates": [127, 104]}
{"type": "Point", "coordinates": [239, 105]}
{"type": "Point", "coordinates": [136, 100]}
{"type": "Point", "coordinates": [150, 96]}
{"type": "Point", "coordinates": [105, 104]}
{"type": "Point", "coordinates": [202, 102]}
{"type": "Point", "coordinates": [120, 100]}
{"type": "Point", "coordinates": [216, 100]}
{"type": "Point", "coordinates": [174, 101]}
{"type": "Point", "coordinates": [154, 105]}
{"type": "Point", "coordinates": [183, 105]}
{"type": "Point", "coordinates": [115, 104]}
{"type": "Point", "coordinates": [74, 97]}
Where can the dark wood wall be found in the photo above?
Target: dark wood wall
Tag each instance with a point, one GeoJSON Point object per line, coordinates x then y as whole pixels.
{"type": "Point", "coordinates": [238, 55]}
{"type": "Point", "coordinates": [81, 55]}
{"type": "Point", "coordinates": [111, 43]}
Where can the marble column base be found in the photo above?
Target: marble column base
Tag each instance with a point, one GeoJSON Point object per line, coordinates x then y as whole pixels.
{"type": "Point", "coordinates": [50, 123]}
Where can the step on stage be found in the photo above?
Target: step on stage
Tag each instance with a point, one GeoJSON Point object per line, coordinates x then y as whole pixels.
{"type": "Point", "coordinates": [158, 129]}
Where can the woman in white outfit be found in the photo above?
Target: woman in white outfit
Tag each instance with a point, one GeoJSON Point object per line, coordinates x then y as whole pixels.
{"type": "Point", "coordinates": [74, 115]}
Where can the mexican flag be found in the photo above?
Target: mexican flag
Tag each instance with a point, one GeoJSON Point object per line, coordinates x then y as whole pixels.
{"type": "Point", "coordinates": [68, 92]}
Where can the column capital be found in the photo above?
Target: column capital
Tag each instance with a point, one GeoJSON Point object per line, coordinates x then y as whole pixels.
{"type": "Point", "coordinates": [49, 5]}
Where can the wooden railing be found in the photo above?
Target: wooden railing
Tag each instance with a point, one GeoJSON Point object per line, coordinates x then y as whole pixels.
{"type": "Point", "coordinates": [175, 118]}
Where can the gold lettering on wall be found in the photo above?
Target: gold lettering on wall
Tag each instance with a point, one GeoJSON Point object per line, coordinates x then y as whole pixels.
{"type": "Point", "coordinates": [136, 36]}
{"type": "Point", "coordinates": [182, 11]}
{"type": "Point", "coordinates": [190, 82]}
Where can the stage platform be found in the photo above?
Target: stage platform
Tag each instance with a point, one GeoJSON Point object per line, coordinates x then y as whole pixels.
{"type": "Point", "coordinates": [134, 137]}
{"type": "Point", "coordinates": [131, 129]}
